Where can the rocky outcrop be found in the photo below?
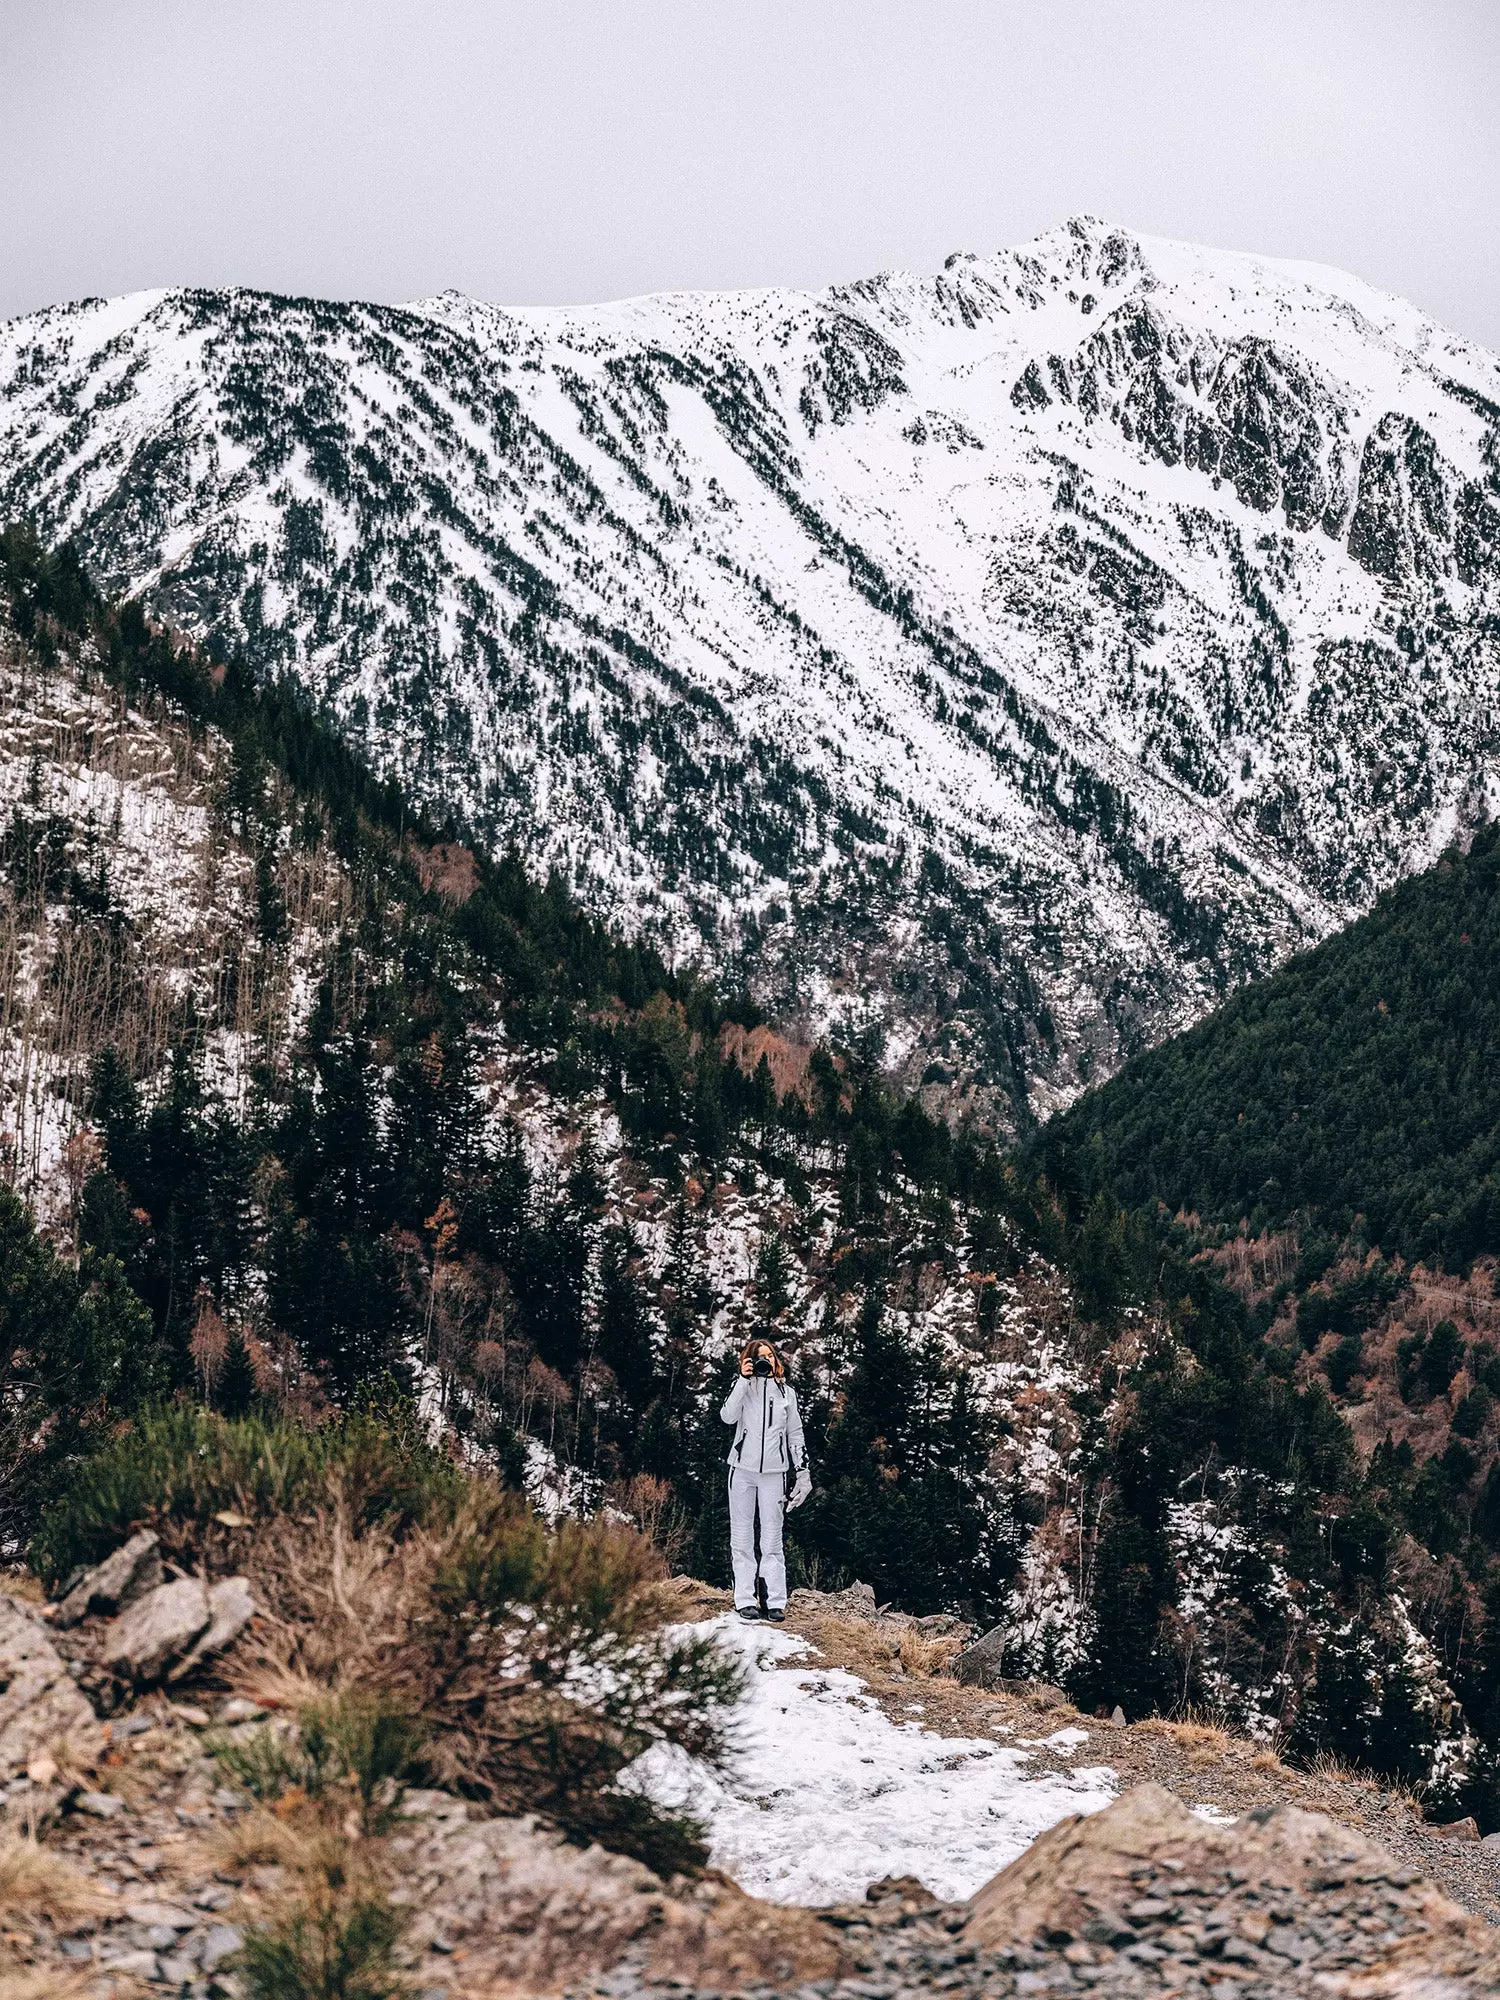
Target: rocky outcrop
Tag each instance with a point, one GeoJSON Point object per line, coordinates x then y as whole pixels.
{"type": "Point", "coordinates": [517, 1900]}
{"type": "Point", "coordinates": [1402, 529]}
{"type": "Point", "coordinates": [47, 1726]}
{"type": "Point", "coordinates": [120, 1579]}
{"type": "Point", "coordinates": [1146, 1895]}
{"type": "Point", "coordinates": [175, 1627]}
{"type": "Point", "coordinates": [230, 1609]}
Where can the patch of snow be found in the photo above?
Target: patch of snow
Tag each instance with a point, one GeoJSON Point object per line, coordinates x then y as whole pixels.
{"type": "Point", "coordinates": [827, 1794]}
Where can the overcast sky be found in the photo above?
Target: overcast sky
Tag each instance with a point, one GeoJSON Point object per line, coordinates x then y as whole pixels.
{"type": "Point", "coordinates": [558, 153]}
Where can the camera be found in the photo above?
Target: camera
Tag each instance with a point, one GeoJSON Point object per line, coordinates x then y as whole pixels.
{"type": "Point", "coordinates": [761, 1365]}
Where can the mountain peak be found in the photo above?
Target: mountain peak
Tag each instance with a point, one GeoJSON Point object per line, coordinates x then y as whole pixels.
{"type": "Point", "coordinates": [1008, 660]}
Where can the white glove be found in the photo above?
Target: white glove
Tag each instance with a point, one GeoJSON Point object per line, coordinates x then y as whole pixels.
{"type": "Point", "coordinates": [800, 1490]}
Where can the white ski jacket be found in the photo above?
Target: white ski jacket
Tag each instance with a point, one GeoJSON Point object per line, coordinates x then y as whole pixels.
{"type": "Point", "coordinates": [767, 1427]}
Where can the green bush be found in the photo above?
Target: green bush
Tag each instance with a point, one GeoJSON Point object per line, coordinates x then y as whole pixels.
{"type": "Point", "coordinates": [266, 1763]}
{"type": "Point", "coordinates": [366, 1739]}
{"type": "Point", "coordinates": [545, 1656]}
{"type": "Point", "coordinates": [337, 1944]}
{"type": "Point", "coordinates": [175, 1469]}
{"type": "Point", "coordinates": [373, 1741]}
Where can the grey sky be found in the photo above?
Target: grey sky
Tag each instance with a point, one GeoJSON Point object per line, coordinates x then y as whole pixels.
{"type": "Point", "coordinates": [557, 153]}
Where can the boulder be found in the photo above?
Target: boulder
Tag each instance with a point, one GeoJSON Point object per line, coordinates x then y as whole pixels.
{"type": "Point", "coordinates": [156, 1630]}
{"type": "Point", "coordinates": [858, 1601]}
{"type": "Point", "coordinates": [99, 1805]}
{"type": "Point", "coordinates": [230, 1609]}
{"type": "Point", "coordinates": [40, 1703]}
{"type": "Point", "coordinates": [983, 1663]}
{"type": "Point", "coordinates": [132, 1571]}
{"type": "Point", "coordinates": [532, 1912]}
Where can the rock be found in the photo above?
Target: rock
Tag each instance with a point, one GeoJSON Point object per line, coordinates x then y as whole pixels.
{"type": "Point", "coordinates": [39, 1703]}
{"type": "Point", "coordinates": [1073, 1878]}
{"type": "Point", "coordinates": [533, 1914]}
{"type": "Point", "coordinates": [858, 1601]}
{"type": "Point", "coordinates": [231, 1607]}
{"type": "Point", "coordinates": [222, 1942]}
{"type": "Point", "coordinates": [1459, 1829]}
{"type": "Point", "coordinates": [238, 1709]}
{"type": "Point", "coordinates": [1492, 1842]}
{"type": "Point", "coordinates": [170, 1914]}
{"type": "Point", "coordinates": [157, 1629]}
{"type": "Point", "coordinates": [120, 1579]}
{"type": "Point", "coordinates": [100, 1805]}
{"type": "Point", "coordinates": [983, 1663]}
{"type": "Point", "coordinates": [1117, 1719]}
{"type": "Point", "coordinates": [132, 1964]}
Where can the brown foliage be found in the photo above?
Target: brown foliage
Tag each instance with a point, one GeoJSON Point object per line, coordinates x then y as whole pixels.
{"type": "Point", "coordinates": [787, 1061]}
{"type": "Point", "coordinates": [447, 869]}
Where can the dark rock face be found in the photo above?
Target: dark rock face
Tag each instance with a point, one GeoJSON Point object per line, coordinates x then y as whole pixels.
{"type": "Point", "coordinates": [852, 369]}
{"type": "Point", "coordinates": [1285, 435]}
{"type": "Point", "coordinates": [1402, 526]}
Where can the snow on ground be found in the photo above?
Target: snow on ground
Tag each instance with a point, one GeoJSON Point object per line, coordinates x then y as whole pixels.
{"type": "Point", "coordinates": [827, 1795]}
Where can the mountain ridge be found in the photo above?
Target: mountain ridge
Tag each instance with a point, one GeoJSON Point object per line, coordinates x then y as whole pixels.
{"type": "Point", "coordinates": [1007, 662]}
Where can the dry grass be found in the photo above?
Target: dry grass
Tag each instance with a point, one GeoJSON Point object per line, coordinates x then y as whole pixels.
{"type": "Point", "coordinates": [1330, 1769]}
{"type": "Point", "coordinates": [927, 1656]}
{"type": "Point", "coordinates": [31, 1984]}
{"type": "Point", "coordinates": [262, 1838]}
{"type": "Point", "coordinates": [37, 1883]}
{"type": "Point", "coordinates": [1189, 1732]}
{"type": "Point", "coordinates": [862, 1647]}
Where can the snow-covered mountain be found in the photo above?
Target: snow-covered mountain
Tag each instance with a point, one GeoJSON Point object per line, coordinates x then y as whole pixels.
{"type": "Point", "coordinates": [1014, 656]}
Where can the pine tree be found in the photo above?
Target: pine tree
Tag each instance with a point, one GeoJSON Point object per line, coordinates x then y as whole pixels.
{"type": "Point", "coordinates": [236, 1390]}
{"type": "Point", "coordinates": [773, 1277]}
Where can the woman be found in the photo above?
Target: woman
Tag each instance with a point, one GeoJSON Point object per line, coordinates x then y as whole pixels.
{"type": "Point", "coordinates": [768, 1444]}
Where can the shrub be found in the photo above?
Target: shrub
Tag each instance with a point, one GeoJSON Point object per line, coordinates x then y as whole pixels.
{"type": "Point", "coordinates": [265, 1763]}
{"type": "Point", "coordinates": [335, 1942]}
{"type": "Point", "coordinates": [537, 1658]}
{"type": "Point", "coordinates": [363, 1739]}
{"type": "Point", "coordinates": [415, 1616]}
{"type": "Point", "coordinates": [371, 1740]}
{"type": "Point", "coordinates": [175, 1469]}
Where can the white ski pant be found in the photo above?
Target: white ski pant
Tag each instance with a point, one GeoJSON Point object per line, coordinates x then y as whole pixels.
{"type": "Point", "coordinates": [751, 1493]}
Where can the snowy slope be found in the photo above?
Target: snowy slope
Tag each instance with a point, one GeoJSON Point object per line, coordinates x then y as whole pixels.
{"type": "Point", "coordinates": [1013, 656]}
{"type": "Point", "coordinates": [828, 1795]}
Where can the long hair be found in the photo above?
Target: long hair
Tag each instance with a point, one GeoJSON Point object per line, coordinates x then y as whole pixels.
{"type": "Point", "coordinates": [747, 1353]}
